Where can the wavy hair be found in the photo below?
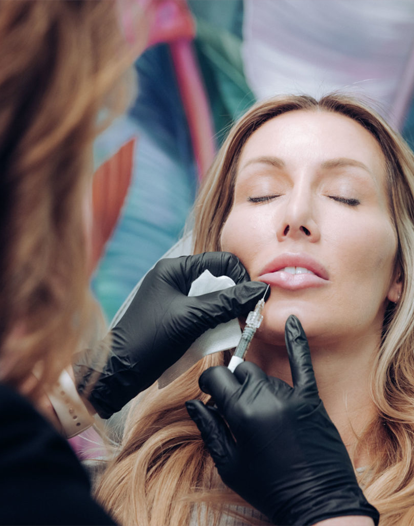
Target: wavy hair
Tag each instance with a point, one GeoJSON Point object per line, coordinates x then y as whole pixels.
{"type": "Point", "coordinates": [162, 469]}
{"type": "Point", "coordinates": [62, 80]}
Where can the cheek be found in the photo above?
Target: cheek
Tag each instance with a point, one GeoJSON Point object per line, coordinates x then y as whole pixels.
{"type": "Point", "coordinates": [246, 233]}
{"type": "Point", "coordinates": [365, 253]}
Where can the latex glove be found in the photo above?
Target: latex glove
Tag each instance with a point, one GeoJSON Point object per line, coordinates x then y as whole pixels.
{"type": "Point", "coordinates": [162, 322]}
{"type": "Point", "coordinates": [287, 458]}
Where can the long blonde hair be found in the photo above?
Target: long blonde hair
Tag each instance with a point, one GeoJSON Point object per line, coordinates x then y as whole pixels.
{"type": "Point", "coordinates": [162, 459]}
{"type": "Point", "coordinates": [61, 64]}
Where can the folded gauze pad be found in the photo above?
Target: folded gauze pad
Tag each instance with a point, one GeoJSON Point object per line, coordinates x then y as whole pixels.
{"type": "Point", "coordinates": [223, 337]}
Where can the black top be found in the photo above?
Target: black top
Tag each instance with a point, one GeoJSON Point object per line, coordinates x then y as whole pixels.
{"type": "Point", "coordinates": [41, 480]}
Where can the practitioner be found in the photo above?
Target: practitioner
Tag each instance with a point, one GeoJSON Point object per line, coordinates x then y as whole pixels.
{"type": "Point", "coordinates": [62, 63]}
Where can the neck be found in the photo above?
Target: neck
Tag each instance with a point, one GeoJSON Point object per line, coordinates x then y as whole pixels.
{"type": "Point", "coordinates": [343, 373]}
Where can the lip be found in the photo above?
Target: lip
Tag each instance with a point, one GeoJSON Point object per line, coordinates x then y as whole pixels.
{"type": "Point", "coordinates": [271, 272]}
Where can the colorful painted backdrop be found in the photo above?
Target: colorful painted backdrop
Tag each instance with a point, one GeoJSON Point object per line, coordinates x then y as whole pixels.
{"type": "Point", "coordinates": [206, 63]}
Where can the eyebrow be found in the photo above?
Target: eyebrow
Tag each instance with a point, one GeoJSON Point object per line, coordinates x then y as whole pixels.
{"type": "Point", "coordinates": [272, 161]}
{"type": "Point", "coordinates": [340, 162]}
{"type": "Point", "coordinates": [344, 162]}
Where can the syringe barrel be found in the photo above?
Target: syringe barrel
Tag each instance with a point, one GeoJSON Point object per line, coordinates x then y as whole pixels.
{"type": "Point", "coordinates": [253, 321]}
{"type": "Point", "coordinates": [244, 342]}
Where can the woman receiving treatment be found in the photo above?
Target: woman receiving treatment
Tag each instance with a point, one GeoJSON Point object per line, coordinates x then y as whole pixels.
{"type": "Point", "coordinates": [317, 200]}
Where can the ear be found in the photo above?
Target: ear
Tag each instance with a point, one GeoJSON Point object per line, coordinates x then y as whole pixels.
{"type": "Point", "coordinates": [395, 290]}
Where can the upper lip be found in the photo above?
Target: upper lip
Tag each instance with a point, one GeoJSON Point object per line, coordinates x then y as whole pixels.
{"type": "Point", "coordinates": [296, 260]}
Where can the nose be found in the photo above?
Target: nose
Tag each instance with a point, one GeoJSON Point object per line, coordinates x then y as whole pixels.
{"type": "Point", "coordinates": [298, 221]}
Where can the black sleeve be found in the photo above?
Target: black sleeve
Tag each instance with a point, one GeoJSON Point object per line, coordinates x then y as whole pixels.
{"type": "Point", "coordinates": [41, 480]}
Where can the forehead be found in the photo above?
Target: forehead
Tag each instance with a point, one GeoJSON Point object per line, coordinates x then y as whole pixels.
{"type": "Point", "coordinates": [313, 137]}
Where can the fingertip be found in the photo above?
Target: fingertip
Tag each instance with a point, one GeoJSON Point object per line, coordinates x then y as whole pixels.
{"type": "Point", "coordinates": [193, 409]}
{"type": "Point", "coordinates": [219, 264]}
{"type": "Point", "coordinates": [293, 322]}
{"type": "Point", "coordinates": [207, 377]}
{"type": "Point", "coordinates": [293, 330]}
{"type": "Point", "coordinates": [203, 380]}
{"type": "Point", "coordinates": [191, 406]}
{"type": "Point", "coordinates": [234, 268]}
{"type": "Point", "coordinates": [294, 333]}
{"type": "Point", "coordinates": [214, 432]}
{"type": "Point", "coordinates": [259, 287]}
{"type": "Point", "coordinates": [251, 291]}
{"type": "Point", "coordinates": [202, 417]}
{"type": "Point", "coordinates": [218, 382]}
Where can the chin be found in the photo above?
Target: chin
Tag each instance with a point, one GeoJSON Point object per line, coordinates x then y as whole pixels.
{"type": "Point", "coordinates": [272, 329]}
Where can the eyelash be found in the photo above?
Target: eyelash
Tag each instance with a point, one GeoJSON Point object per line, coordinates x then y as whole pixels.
{"type": "Point", "coordinates": [263, 199]}
{"type": "Point", "coordinates": [345, 200]}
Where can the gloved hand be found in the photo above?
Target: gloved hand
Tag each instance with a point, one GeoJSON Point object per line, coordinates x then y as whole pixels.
{"type": "Point", "coordinates": [162, 322]}
{"type": "Point", "coordinates": [287, 458]}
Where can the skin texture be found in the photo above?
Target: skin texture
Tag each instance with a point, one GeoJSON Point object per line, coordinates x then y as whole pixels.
{"type": "Point", "coordinates": [347, 521]}
{"type": "Point", "coordinates": [292, 161]}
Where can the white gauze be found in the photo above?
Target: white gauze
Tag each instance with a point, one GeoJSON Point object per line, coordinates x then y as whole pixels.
{"type": "Point", "coordinates": [224, 336]}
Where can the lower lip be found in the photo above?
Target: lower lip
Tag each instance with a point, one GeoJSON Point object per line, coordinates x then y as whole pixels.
{"type": "Point", "coordinates": [285, 280]}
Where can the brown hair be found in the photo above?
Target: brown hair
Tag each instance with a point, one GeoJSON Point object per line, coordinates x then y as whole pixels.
{"type": "Point", "coordinates": [162, 459]}
{"type": "Point", "coordinates": [60, 64]}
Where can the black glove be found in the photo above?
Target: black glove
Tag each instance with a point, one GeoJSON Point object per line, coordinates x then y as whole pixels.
{"type": "Point", "coordinates": [162, 322]}
{"type": "Point", "coordinates": [287, 458]}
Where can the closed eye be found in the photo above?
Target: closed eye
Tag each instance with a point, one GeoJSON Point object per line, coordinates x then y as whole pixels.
{"type": "Point", "coordinates": [262, 199]}
{"type": "Point", "coordinates": [345, 200]}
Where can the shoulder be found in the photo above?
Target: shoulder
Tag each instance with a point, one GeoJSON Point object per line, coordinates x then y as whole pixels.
{"type": "Point", "coordinates": [41, 480]}
{"type": "Point", "coordinates": [29, 438]}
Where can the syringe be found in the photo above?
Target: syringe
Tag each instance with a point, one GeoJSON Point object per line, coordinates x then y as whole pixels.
{"type": "Point", "coordinates": [253, 321]}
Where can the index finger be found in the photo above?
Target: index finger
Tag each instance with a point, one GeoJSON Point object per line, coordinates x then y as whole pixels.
{"type": "Point", "coordinates": [300, 361]}
{"type": "Point", "coordinates": [218, 263]}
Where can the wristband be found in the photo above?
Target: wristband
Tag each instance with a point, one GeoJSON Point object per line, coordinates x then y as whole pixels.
{"type": "Point", "coordinates": [70, 409]}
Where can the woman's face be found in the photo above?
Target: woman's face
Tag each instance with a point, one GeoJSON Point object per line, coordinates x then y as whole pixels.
{"type": "Point", "coordinates": [311, 218]}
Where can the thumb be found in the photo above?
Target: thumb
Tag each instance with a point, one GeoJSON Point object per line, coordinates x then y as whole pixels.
{"type": "Point", "coordinates": [215, 434]}
{"type": "Point", "coordinates": [225, 305]}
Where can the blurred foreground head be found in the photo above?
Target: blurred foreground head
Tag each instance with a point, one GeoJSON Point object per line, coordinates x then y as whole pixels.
{"type": "Point", "coordinates": [62, 80]}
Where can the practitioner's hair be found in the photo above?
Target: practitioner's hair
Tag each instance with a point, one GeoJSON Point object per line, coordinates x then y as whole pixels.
{"type": "Point", "coordinates": [62, 79]}
{"type": "Point", "coordinates": [163, 468]}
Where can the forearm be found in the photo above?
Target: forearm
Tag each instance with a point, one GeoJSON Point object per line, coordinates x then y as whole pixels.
{"type": "Point", "coordinates": [88, 405]}
{"type": "Point", "coordinates": [347, 521]}
{"type": "Point", "coordinates": [69, 412]}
